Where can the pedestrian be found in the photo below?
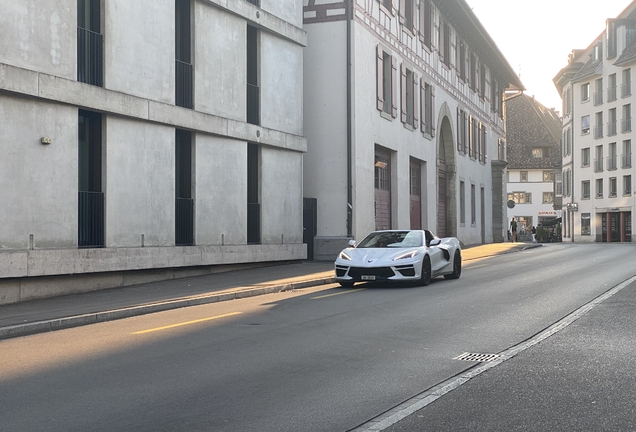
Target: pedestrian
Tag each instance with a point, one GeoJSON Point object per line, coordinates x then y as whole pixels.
{"type": "Point", "coordinates": [513, 228]}
{"type": "Point", "coordinates": [534, 234]}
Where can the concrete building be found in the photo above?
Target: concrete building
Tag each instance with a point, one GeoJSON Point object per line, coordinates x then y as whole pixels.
{"type": "Point", "coordinates": [533, 134]}
{"type": "Point", "coordinates": [146, 140]}
{"type": "Point", "coordinates": [404, 118]}
{"type": "Point", "coordinates": [598, 174]}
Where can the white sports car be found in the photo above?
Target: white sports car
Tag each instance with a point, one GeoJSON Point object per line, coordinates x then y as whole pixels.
{"type": "Point", "coordinates": [399, 256]}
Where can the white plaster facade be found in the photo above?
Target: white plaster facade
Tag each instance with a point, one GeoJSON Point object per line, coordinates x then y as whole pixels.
{"type": "Point", "coordinates": [341, 112]}
{"type": "Point", "coordinates": [41, 97]}
{"type": "Point", "coordinates": [598, 135]}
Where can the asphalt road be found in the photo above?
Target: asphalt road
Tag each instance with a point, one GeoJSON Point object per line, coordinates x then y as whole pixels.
{"type": "Point", "coordinates": [320, 359]}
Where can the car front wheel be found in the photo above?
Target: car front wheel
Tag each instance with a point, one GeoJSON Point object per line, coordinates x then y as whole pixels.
{"type": "Point", "coordinates": [425, 277]}
{"type": "Point", "coordinates": [457, 267]}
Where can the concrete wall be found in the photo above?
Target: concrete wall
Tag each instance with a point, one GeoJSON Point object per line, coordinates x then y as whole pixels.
{"type": "Point", "coordinates": [281, 196]}
{"type": "Point", "coordinates": [220, 197]}
{"type": "Point", "coordinates": [292, 12]}
{"type": "Point", "coordinates": [140, 183]}
{"type": "Point", "coordinates": [219, 62]}
{"type": "Point", "coordinates": [281, 82]}
{"type": "Point", "coordinates": [38, 183]}
{"type": "Point", "coordinates": [139, 48]}
{"type": "Point", "coordinates": [40, 35]}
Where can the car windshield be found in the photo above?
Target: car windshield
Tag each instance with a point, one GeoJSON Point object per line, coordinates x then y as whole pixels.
{"type": "Point", "coordinates": [392, 239]}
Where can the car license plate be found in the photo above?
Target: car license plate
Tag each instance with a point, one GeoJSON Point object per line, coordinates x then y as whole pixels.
{"type": "Point", "coordinates": [367, 277]}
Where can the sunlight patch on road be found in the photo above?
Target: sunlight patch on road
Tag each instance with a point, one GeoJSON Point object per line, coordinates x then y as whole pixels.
{"type": "Point", "coordinates": [186, 323]}
{"type": "Point", "coordinates": [338, 293]}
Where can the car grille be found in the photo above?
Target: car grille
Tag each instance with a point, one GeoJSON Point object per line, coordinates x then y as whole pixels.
{"type": "Point", "coordinates": [407, 270]}
{"type": "Point", "coordinates": [340, 271]}
{"type": "Point", "coordinates": [379, 272]}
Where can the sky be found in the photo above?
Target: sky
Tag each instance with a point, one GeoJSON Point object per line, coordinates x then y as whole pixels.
{"type": "Point", "coordinates": [536, 36]}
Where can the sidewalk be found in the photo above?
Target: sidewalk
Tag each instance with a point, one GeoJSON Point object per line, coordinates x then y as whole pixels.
{"type": "Point", "coordinates": [57, 313]}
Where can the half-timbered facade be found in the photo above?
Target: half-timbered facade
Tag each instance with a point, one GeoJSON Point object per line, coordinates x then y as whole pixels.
{"type": "Point", "coordinates": [404, 115]}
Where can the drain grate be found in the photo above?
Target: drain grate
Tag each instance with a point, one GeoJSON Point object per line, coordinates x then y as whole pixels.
{"type": "Point", "coordinates": [476, 357]}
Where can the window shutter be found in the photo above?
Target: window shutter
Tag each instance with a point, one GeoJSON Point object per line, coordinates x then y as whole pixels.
{"type": "Point", "coordinates": [394, 102]}
{"type": "Point", "coordinates": [402, 10]}
{"type": "Point", "coordinates": [396, 6]}
{"type": "Point", "coordinates": [432, 111]}
{"type": "Point", "coordinates": [478, 146]}
{"type": "Point", "coordinates": [403, 85]}
{"type": "Point", "coordinates": [380, 72]}
{"type": "Point", "coordinates": [442, 40]}
{"type": "Point", "coordinates": [423, 25]}
{"type": "Point", "coordinates": [414, 93]}
{"type": "Point", "coordinates": [459, 130]}
{"type": "Point", "coordinates": [423, 104]}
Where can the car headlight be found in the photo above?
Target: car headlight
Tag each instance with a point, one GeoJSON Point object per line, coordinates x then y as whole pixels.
{"type": "Point", "coordinates": [343, 255]}
{"type": "Point", "coordinates": [409, 254]}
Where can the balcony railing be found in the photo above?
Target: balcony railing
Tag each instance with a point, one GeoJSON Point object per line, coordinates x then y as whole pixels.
{"type": "Point", "coordinates": [183, 84]}
{"type": "Point", "coordinates": [90, 233]}
{"type": "Point", "coordinates": [626, 160]}
{"type": "Point", "coordinates": [598, 98]}
{"type": "Point", "coordinates": [598, 165]}
{"type": "Point", "coordinates": [253, 223]}
{"type": "Point", "coordinates": [626, 125]}
{"type": "Point", "coordinates": [611, 163]}
{"type": "Point", "coordinates": [253, 104]}
{"type": "Point", "coordinates": [626, 89]}
{"type": "Point", "coordinates": [598, 131]}
{"type": "Point", "coordinates": [611, 128]}
{"type": "Point", "coordinates": [184, 222]}
{"type": "Point", "coordinates": [611, 94]}
{"type": "Point", "coordinates": [90, 57]}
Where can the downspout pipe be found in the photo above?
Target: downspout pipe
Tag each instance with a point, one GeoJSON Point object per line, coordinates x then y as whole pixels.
{"type": "Point", "coordinates": [349, 12]}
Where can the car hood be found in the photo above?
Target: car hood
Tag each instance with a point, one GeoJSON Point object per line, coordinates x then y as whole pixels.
{"type": "Point", "coordinates": [371, 256]}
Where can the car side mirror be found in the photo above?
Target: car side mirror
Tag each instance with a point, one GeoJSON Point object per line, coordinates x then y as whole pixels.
{"type": "Point", "coordinates": [435, 242]}
{"type": "Point", "coordinates": [352, 243]}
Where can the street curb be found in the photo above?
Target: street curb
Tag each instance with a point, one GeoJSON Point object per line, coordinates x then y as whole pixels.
{"type": "Point", "coordinates": [526, 247]}
{"type": "Point", "coordinates": [26, 329]}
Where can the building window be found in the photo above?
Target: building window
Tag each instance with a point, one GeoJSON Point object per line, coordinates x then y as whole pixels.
{"type": "Point", "coordinates": [409, 21]}
{"type": "Point", "coordinates": [409, 84]}
{"type": "Point", "coordinates": [462, 131]}
{"type": "Point", "coordinates": [473, 205]}
{"type": "Point", "coordinates": [520, 197]}
{"type": "Point", "coordinates": [612, 157]}
{"type": "Point", "coordinates": [90, 43]}
{"type": "Point", "coordinates": [627, 185]}
{"type": "Point", "coordinates": [253, 113]}
{"type": "Point", "coordinates": [598, 162]}
{"type": "Point", "coordinates": [426, 23]}
{"type": "Point", "coordinates": [548, 197]}
{"type": "Point", "coordinates": [585, 189]}
{"type": "Point", "coordinates": [611, 88]}
{"type": "Point", "coordinates": [183, 55]}
{"type": "Point", "coordinates": [567, 141]}
{"type": "Point", "coordinates": [585, 157]}
{"type": "Point", "coordinates": [427, 107]}
{"type": "Point", "coordinates": [598, 127]}
{"type": "Point", "coordinates": [585, 125]}
{"type": "Point", "coordinates": [612, 187]}
{"type": "Point", "coordinates": [585, 92]}
{"type": "Point", "coordinates": [558, 184]}
{"type": "Point", "coordinates": [444, 42]}
{"type": "Point", "coordinates": [598, 93]}
{"type": "Point", "coordinates": [626, 86]}
{"type": "Point", "coordinates": [626, 157]}
{"type": "Point", "coordinates": [386, 75]}
{"type": "Point", "coordinates": [537, 153]}
{"type": "Point", "coordinates": [461, 60]}
{"type": "Point", "coordinates": [599, 188]}
{"type": "Point", "coordinates": [388, 5]}
{"type": "Point", "coordinates": [462, 202]}
{"type": "Point", "coordinates": [548, 176]}
{"type": "Point", "coordinates": [626, 123]}
{"type": "Point", "coordinates": [524, 176]}
{"type": "Point", "coordinates": [611, 123]}
{"type": "Point", "coordinates": [585, 224]}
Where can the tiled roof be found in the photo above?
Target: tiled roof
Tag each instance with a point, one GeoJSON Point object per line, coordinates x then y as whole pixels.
{"type": "Point", "coordinates": [628, 56]}
{"type": "Point", "coordinates": [531, 125]}
{"type": "Point", "coordinates": [592, 67]}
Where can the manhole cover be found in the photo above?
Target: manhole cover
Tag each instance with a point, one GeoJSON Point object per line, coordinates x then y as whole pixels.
{"type": "Point", "coordinates": [477, 357]}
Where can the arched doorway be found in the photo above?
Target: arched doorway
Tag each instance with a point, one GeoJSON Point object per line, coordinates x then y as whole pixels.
{"type": "Point", "coordinates": [446, 177]}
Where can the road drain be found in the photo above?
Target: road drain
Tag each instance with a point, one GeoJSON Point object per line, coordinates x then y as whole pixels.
{"type": "Point", "coordinates": [476, 357]}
